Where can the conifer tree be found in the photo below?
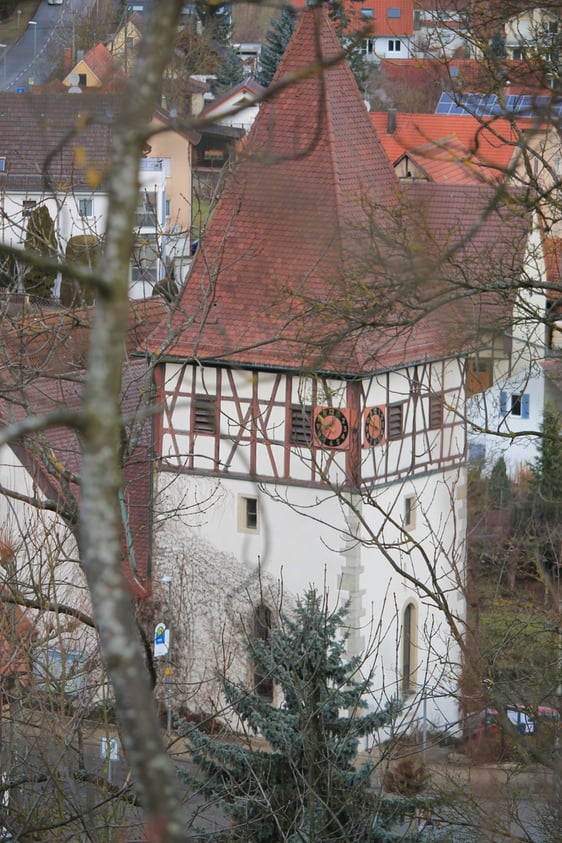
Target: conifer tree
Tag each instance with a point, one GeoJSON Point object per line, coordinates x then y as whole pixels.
{"type": "Point", "coordinates": [306, 787]}
{"type": "Point", "coordinates": [230, 72]}
{"type": "Point", "coordinates": [276, 40]}
{"type": "Point", "coordinates": [547, 470]}
{"type": "Point", "coordinates": [40, 237]}
{"type": "Point", "coordinates": [499, 486]}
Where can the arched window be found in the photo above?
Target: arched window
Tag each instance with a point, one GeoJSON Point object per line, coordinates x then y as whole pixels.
{"type": "Point", "coordinates": [408, 649]}
{"type": "Point", "coordinates": [263, 685]}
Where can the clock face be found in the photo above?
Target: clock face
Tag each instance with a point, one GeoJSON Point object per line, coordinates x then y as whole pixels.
{"type": "Point", "coordinates": [331, 427]}
{"type": "Point", "coordinates": [374, 426]}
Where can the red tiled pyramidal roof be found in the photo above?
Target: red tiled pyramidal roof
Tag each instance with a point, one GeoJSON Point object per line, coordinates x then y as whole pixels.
{"type": "Point", "coordinates": [277, 233]}
{"type": "Point", "coordinates": [316, 256]}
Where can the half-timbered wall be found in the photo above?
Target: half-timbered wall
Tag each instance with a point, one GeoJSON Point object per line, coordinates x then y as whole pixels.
{"type": "Point", "coordinates": [263, 424]}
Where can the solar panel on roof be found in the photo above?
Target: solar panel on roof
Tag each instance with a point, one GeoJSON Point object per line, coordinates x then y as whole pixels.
{"type": "Point", "coordinates": [488, 105]}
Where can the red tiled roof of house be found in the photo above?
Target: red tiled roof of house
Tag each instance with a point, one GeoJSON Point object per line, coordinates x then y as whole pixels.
{"type": "Point", "coordinates": [310, 260]}
{"type": "Point", "coordinates": [430, 77]}
{"type": "Point", "coordinates": [103, 65]}
{"type": "Point", "coordinates": [451, 147]}
{"type": "Point", "coordinates": [385, 17]}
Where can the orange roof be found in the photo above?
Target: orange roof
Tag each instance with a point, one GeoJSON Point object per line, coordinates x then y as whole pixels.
{"type": "Point", "coordinates": [384, 17]}
{"type": "Point", "coordinates": [447, 146]}
{"type": "Point", "coordinates": [102, 63]}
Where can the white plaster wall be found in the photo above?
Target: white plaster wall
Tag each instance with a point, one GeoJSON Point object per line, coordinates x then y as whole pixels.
{"type": "Point", "coordinates": [306, 536]}
{"type": "Point", "coordinates": [505, 434]}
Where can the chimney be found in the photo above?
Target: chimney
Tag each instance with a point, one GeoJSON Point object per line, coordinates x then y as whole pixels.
{"type": "Point", "coordinates": [67, 59]}
{"type": "Point", "coordinates": [391, 121]}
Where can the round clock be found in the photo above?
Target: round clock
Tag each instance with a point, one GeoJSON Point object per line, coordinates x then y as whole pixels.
{"type": "Point", "coordinates": [374, 426]}
{"type": "Point", "coordinates": [331, 427]}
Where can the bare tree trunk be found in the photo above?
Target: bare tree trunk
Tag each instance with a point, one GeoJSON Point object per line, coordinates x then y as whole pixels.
{"type": "Point", "coordinates": [100, 532]}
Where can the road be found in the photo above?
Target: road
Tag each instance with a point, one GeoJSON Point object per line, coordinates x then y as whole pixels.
{"type": "Point", "coordinates": [30, 61]}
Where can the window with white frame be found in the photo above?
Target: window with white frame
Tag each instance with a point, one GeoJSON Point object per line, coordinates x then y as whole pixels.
{"type": "Point", "coordinates": [86, 208]}
{"type": "Point", "coordinates": [248, 515]}
{"type": "Point", "coordinates": [394, 45]}
{"type": "Point", "coordinates": [367, 47]}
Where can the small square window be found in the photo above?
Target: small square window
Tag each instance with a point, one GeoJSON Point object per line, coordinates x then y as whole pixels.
{"type": "Point", "coordinates": [86, 207]}
{"type": "Point", "coordinates": [248, 517]}
{"type": "Point", "coordinates": [395, 420]}
{"type": "Point", "coordinates": [82, 80]}
{"type": "Point", "coordinates": [366, 13]}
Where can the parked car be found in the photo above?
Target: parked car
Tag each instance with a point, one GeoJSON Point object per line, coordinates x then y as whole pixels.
{"type": "Point", "coordinates": [526, 720]}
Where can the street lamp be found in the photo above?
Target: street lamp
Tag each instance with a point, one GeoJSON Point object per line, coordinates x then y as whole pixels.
{"type": "Point", "coordinates": [33, 23]}
{"type": "Point", "coordinates": [5, 48]}
{"type": "Point", "coordinates": [168, 670]}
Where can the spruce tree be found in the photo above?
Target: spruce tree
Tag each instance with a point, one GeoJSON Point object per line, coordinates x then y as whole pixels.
{"type": "Point", "coordinates": [40, 237]}
{"type": "Point", "coordinates": [305, 786]}
{"type": "Point", "coordinates": [547, 470]}
{"type": "Point", "coordinates": [275, 42]}
{"type": "Point", "coordinates": [499, 485]}
{"type": "Point", "coordinates": [230, 72]}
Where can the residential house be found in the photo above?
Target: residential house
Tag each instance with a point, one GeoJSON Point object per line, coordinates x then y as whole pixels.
{"type": "Point", "coordinates": [441, 29]}
{"type": "Point", "coordinates": [55, 149]}
{"type": "Point", "coordinates": [534, 32]}
{"type": "Point", "coordinates": [462, 148]}
{"type": "Point", "coordinates": [312, 406]}
{"type": "Point", "coordinates": [123, 45]}
{"type": "Point", "coordinates": [237, 107]}
{"type": "Point", "coordinates": [42, 365]}
{"type": "Point", "coordinates": [97, 69]}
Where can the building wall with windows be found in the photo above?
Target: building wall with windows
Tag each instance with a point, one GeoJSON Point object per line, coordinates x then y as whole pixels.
{"type": "Point", "coordinates": [506, 384]}
{"type": "Point", "coordinates": [271, 495]}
